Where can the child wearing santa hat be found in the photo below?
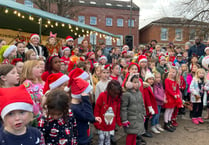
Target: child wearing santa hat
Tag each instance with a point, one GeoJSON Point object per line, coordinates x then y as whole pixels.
{"type": "Point", "coordinates": [142, 62]}
{"type": "Point", "coordinates": [58, 125]}
{"type": "Point", "coordinates": [82, 108]}
{"type": "Point", "coordinates": [69, 42]}
{"type": "Point", "coordinates": [103, 60]}
{"type": "Point", "coordinates": [91, 57]}
{"type": "Point", "coordinates": [65, 55]}
{"type": "Point", "coordinates": [162, 68]}
{"type": "Point", "coordinates": [16, 112]}
{"type": "Point", "coordinates": [8, 53]}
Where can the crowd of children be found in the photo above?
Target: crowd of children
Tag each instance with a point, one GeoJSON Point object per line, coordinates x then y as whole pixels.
{"type": "Point", "coordinates": [52, 98]}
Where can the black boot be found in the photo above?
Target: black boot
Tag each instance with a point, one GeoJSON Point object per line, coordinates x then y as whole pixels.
{"type": "Point", "coordinates": [168, 128]}
{"type": "Point", "coordinates": [140, 140]}
{"type": "Point", "coordinates": [171, 126]}
{"type": "Point", "coordinates": [113, 140]}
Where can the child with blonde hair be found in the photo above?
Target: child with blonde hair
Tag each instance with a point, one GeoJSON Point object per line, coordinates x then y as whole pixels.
{"type": "Point", "coordinates": [198, 90]}
{"type": "Point", "coordinates": [31, 78]}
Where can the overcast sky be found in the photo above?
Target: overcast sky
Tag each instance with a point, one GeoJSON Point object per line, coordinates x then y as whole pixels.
{"type": "Point", "coordinates": [151, 10]}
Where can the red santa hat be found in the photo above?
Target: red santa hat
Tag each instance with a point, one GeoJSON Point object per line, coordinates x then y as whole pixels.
{"type": "Point", "coordinates": [10, 101]}
{"type": "Point", "coordinates": [69, 38]}
{"type": "Point", "coordinates": [89, 54]}
{"type": "Point", "coordinates": [132, 63]}
{"type": "Point", "coordinates": [106, 67]}
{"type": "Point", "coordinates": [8, 51]}
{"type": "Point", "coordinates": [142, 58]}
{"type": "Point", "coordinates": [16, 60]}
{"type": "Point", "coordinates": [65, 48]}
{"type": "Point", "coordinates": [161, 58]}
{"type": "Point", "coordinates": [102, 57]}
{"type": "Point", "coordinates": [207, 48]}
{"type": "Point", "coordinates": [77, 73]}
{"type": "Point", "coordinates": [125, 46]}
{"type": "Point", "coordinates": [149, 75]}
{"type": "Point", "coordinates": [123, 52]}
{"type": "Point", "coordinates": [55, 80]}
{"type": "Point", "coordinates": [79, 86]}
{"type": "Point", "coordinates": [34, 36]}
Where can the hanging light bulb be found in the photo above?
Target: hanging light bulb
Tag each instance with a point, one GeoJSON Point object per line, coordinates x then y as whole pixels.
{"type": "Point", "coordinates": [15, 12]}
{"type": "Point", "coordinates": [52, 26]}
{"type": "Point", "coordinates": [76, 28]}
{"type": "Point", "coordinates": [63, 25]}
{"type": "Point", "coordinates": [18, 14]}
{"type": "Point", "coordinates": [87, 31]}
{"type": "Point", "coordinates": [49, 22]}
{"type": "Point", "coordinates": [96, 33]}
{"type": "Point", "coordinates": [84, 35]}
{"type": "Point", "coordinates": [82, 30]}
{"type": "Point", "coordinates": [23, 17]}
{"type": "Point", "coordinates": [71, 30]}
{"type": "Point", "coordinates": [6, 11]}
{"type": "Point", "coordinates": [56, 24]}
{"type": "Point", "coordinates": [46, 26]}
{"type": "Point", "coordinates": [79, 35]}
{"type": "Point", "coordinates": [76, 34]}
{"type": "Point", "coordinates": [69, 26]}
{"type": "Point", "coordinates": [100, 35]}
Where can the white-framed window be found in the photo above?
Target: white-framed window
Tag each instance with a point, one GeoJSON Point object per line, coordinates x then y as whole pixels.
{"type": "Point", "coordinates": [130, 23]}
{"type": "Point", "coordinates": [93, 20]}
{"type": "Point", "coordinates": [120, 22]}
{"type": "Point", "coordinates": [80, 39]}
{"type": "Point", "coordinates": [28, 3]}
{"type": "Point", "coordinates": [93, 38]}
{"type": "Point", "coordinates": [164, 34]}
{"type": "Point", "coordinates": [81, 19]}
{"type": "Point", "coordinates": [108, 21]}
{"type": "Point", "coordinates": [120, 41]}
{"type": "Point", "coordinates": [192, 34]}
{"type": "Point", "coordinates": [178, 34]}
{"type": "Point", "coordinates": [108, 40]}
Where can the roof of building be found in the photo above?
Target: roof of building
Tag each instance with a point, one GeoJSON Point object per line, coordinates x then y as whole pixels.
{"type": "Point", "coordinates": [173, 20]}
{"type": "Point", "coordinates": [116, 4]}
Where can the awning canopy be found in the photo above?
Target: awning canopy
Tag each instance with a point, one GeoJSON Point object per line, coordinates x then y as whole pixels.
{"type": "Point", "coordinates": [19, 17]}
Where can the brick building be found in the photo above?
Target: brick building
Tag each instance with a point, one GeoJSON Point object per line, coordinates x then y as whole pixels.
{"type": "Point", "coordinates": [109, 15]}
{"type": "Point", "coordinates": [176, 30]}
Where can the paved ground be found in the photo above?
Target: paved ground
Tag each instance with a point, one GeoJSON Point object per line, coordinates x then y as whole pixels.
{"type": "Point", "coordinates": [186, 134]}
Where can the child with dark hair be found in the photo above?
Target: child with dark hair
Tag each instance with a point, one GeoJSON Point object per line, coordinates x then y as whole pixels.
{"type": "Point", "coordinates": [82, 109]}
{"type": "Point", "coordinates": [20, 50]}
{"type": "Point", "coordinates": [53, 65]}
{"type": "Point", "coordinates": [132, 111]}
{"type": "Point", "coordinates": [59, 125]}
{"type": "Point", "coordinates": [108, 108]}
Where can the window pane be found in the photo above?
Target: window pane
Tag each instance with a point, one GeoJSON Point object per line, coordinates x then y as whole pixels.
{"type": "Point", "coordinates": [120, 41]}
{"type": "Point", "coordinates": [28, 3]}
{"type": "Point", "coordinates": [93, 20]}
{"type": "Point", "coordinates": [93, 39]}
{"type": "Point", "coordinates": [108, 21]}
{"type": "Point", "coordinates": [120, 22]}
{"type": "Point", "coordinates": [164, 34]}
{"type": "Point", "coordinates": [192, 34]}
{"type": "Point", "coordinates": [81, 19]}
{"type": "Point", "coordinates": [178, 34]}
{"type": "Point", "coordinates": [108, 40]}
{"type": "Point", "coordinates": [80, 39]}
{"type": "Point", "coordinates": [132, 23]}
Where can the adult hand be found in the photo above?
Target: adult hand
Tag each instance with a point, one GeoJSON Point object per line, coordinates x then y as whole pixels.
{"type": "Point", "coordinates": [98, 119]}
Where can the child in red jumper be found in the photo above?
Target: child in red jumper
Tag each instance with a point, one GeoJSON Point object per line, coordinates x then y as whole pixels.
{"type": "Point", "coordinates": [108, 108]}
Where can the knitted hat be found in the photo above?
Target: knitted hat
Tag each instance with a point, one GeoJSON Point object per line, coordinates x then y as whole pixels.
{"type": "Point", "coordinates": [89, 54]}
{"type": "Point", "coordinates": [8, 51]}
{"type": "Point", "coordinates": [161, 58]}
{"type": "Point", "coordinates": [65, 48]}
{"type": "Point", "coordinates": [142, 58]}
{"type": "Point", "coordinates": [69, 38]}
{"type": "Point", "coordinates": [207, 48]}
{"type": "Point", "coordinates": [34, 35]}
{"type": "Point", "coordinates": [149, 75]}
{"type": "Point", "coordinates": [79, 86]}
{"type": "Point", "coordinates": [55, 80]}
{"type": "Point", "coordinates": [102, 57]}
{"type": "Point", "coordinates": [10, 101]}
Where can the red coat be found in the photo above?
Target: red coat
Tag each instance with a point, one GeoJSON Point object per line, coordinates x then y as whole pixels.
{"type": "Point", "coordinates": [149, 100]}
{"type": "Point", "coordinates": [182, 83]}
{"type": "Point", "coordinates": [103, 104]}
{"type": "Point", "coordinates": [66, 60]}
{"type": "Point", "coordinates": [172, 89]}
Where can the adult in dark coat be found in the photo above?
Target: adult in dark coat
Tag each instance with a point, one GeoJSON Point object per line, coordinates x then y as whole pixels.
{"type": "Point", "coordinates": [197, 49]}
{"type": "Point", "coordinates": [40, 50]}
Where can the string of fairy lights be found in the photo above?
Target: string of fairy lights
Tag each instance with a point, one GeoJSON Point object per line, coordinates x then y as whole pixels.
{"type": "Point", "coordinates": [51, 24]}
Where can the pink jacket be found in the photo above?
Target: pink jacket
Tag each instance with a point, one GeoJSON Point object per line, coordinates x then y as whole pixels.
{"type": "Point", "coordinates": [189, 80]}
{"type": "Point", "coordinates": [159, 93]}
